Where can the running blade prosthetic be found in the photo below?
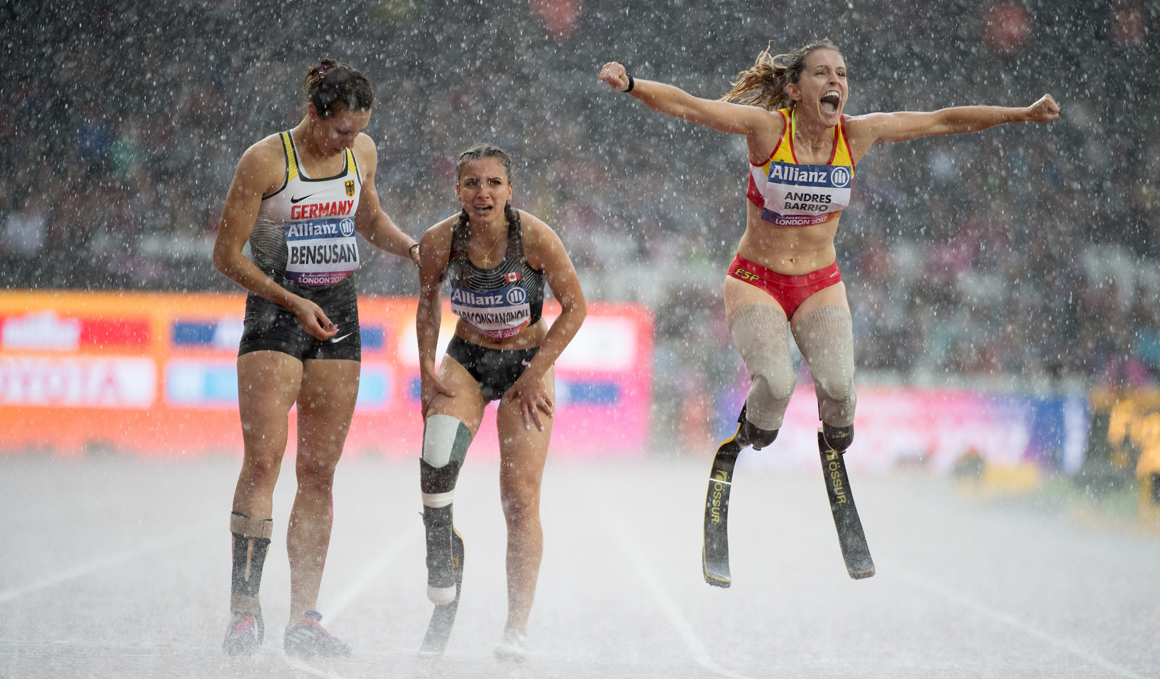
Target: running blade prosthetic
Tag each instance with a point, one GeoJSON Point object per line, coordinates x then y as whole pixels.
{"type": "Point", "coordinates": [443, 618]}
{"type": "Point", "coordinates": [715, 553]}
{"type": "Point", "coordinates": [851, 538]}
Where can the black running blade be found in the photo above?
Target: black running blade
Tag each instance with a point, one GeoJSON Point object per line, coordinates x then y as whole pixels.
{"type": "Point", "coordinates": [443, 618]}
{"type": "Point", "coordinates": [851, 538]}
{"type": "Point", "coordinates": [715, 554]}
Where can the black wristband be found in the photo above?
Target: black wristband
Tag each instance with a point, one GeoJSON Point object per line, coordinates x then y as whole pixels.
{"type": "Point", "coordinates": [631, 84]}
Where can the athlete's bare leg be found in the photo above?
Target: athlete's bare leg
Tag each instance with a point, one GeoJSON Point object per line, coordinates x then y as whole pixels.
{"type": "Point", "coordinates": [268, 384]}
{"type": "Point", "coordinates": [468, 403]}
{"type": "Point", "coordinates": [325, 406]}
{"type": "Point", "coordinates": [522, 456]}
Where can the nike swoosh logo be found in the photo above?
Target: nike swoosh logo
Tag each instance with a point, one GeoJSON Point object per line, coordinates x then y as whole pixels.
{"type": "Point", "coordinates": [299, 200]}
{"type": "Point", "coordinates": [339, 339]}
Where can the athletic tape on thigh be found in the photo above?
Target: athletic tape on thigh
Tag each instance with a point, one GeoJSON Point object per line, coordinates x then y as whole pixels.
{"type": "Point", "coordinates": [826, 338]}
{"type": "Point", "coordinates": [445, 440]}
{"type": "Point", "coordinates": [762, 338]}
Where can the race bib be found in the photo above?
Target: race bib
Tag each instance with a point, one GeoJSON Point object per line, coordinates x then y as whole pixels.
{"type": "Point", "coordinates": [321, 251]}
{"type": "Point", "coordinates": [496, 314]}
{"type": "Point", "coordinates": [802, 195]}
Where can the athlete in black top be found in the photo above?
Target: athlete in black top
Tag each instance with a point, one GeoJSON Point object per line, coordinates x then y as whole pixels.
{"type": "Point", "coordinates": [496, 259]}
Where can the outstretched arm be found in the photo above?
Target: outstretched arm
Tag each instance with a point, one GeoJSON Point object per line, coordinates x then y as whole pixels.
{"type": "Point", "coordinates": [761, 129]}
{"type": "Point", "coordinates": [905, 125]}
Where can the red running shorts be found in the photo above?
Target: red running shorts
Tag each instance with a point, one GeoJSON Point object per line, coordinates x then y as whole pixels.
{"type": "Point", "coordinates": [789, 291]}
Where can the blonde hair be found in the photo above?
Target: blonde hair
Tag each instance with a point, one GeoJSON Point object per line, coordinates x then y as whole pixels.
{"type": "Point", "coordinates": [764, 84]}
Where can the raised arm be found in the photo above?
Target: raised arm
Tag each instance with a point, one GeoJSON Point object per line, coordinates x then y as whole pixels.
{"type": "Point", "coordinates": [762, 129]}
{"type": "Point", "coordinates": [371, 221]}
{"type": "Point", "coordinates": [905, 125]}
{"type": "Point", "coordinates": [433, 252]}
{"type": "Point", "coordinates": [546, 252]}
{"type": "Point", "coordinates": [260, 171]}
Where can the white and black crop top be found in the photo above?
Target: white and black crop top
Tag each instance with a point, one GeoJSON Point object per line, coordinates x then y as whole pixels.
{"type": "Point", "coordinates": [304, 232]}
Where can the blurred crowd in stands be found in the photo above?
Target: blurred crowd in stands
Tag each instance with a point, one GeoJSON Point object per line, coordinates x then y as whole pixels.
{"type": "Point", "coordinates": [1024, 254]}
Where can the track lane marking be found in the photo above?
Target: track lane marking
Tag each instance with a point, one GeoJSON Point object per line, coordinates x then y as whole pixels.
{"type": "Point", "coordinates": [386, 558]}
{"type": "Point", "coordinates": [302, 666]}
{"type": "Point", "coordinates": [1011, 621]}
{"type": "Point", "coordinates": [663, 600]}
{"type": "Point", "coordinates": [154, 545]}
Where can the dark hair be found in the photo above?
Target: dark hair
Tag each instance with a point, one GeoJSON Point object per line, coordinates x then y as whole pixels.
{"type": "Point", "coordinates": [477, 152]}
{"type": "Point", "coordinates": [484, 150]}
{"type": "Point", "coordinates": [331, 85]}
{"type": "Point", "coordinates": [765, 83]}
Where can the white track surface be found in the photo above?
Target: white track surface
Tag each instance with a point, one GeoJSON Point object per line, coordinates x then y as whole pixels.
{"type": "Point", "coordinates": [120, 568]}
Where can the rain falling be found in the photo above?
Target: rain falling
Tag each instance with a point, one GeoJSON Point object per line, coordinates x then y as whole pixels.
{"type": "Point", "coordinates": [175, 310]}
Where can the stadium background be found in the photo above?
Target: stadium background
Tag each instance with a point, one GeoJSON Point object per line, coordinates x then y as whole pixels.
{"type": "Point", "coordinates": [1014, 271]}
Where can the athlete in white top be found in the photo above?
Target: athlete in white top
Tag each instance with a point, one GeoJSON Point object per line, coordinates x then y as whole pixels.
{"type": "Point", "coordinates": [299, 197]}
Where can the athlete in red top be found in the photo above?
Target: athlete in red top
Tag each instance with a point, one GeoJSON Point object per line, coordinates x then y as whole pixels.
{"type": "Point", "coordinates": [786, 258]}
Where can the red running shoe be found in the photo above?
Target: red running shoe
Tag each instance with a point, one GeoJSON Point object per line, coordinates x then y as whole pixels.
{"type": "Point", "coordinates": [307, 639]}
{"type": "Point", "coordinates": [245, 634]}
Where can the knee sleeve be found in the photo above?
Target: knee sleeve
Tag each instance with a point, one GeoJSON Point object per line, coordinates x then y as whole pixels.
{"type": "Point", "coordinates": [251, 542]}
{"type": "Point", "coordinates": [761, 335]}
{"type": "Point", "coordinates": [826, 338]}
{"type": "Point", "coordinates": [445, 441]}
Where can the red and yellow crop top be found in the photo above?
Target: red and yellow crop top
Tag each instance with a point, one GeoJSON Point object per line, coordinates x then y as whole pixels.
{"type": "Point", "coordinates": [790, 194]}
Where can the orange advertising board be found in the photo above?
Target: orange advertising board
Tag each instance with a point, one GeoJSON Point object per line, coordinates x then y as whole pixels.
{"type": "Point", "coordinates": [154, 374]}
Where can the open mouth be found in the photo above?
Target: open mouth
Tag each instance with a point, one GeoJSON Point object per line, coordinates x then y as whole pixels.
{"type": "Point", "coordinates": [482, 209]}
{"type": "Point", "coordinates": [830, 101]}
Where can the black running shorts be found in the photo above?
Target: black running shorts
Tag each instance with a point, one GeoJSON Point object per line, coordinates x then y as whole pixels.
{"type": "Point", "coordinates": [496, 370]}
{"type": "Point", "coordinates": [272, 327]}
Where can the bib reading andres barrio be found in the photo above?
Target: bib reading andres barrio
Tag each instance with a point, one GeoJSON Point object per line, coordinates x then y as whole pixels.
{"type": "Point", "coordinates": [790, 194]}
{"type": "Point", "coordinates": [305, 230]}
{"type": "Point", "coordinates": [498, 302]}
